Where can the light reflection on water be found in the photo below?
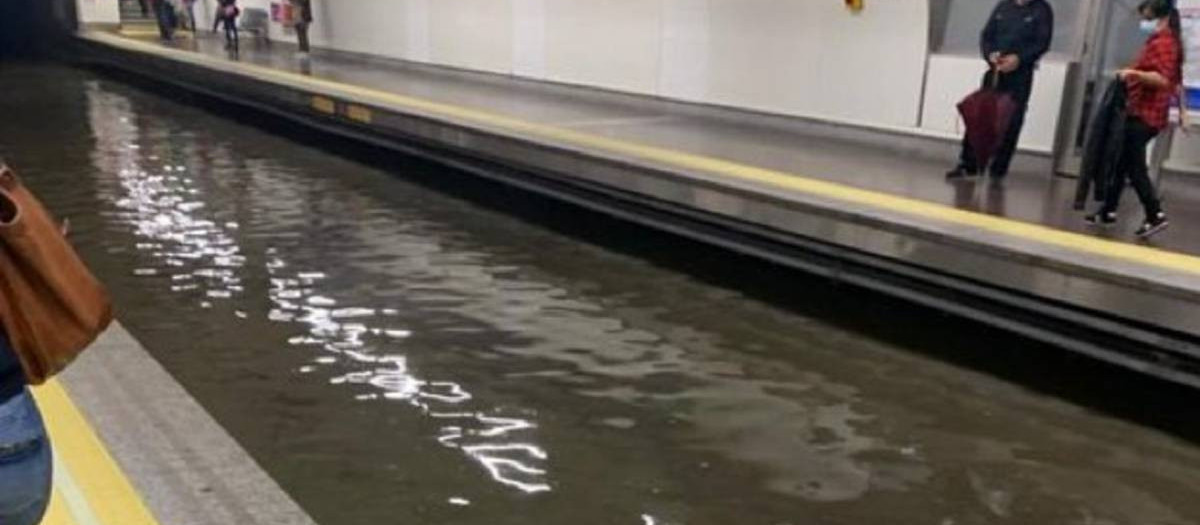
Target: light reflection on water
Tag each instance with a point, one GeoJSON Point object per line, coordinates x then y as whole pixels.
{"type": "Point", "coordinates": [805, 434]}
{"type": "Point", "coordinates": [160, 201]}
{"type": "Point", "coordinates": [347, 339]}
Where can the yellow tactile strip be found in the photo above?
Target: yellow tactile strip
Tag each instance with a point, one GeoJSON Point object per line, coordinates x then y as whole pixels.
{"type": "Point", "coordinates": [89, 486]}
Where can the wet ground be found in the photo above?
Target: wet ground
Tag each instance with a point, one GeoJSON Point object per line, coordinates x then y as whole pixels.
{"type": "Point", "coordinates": [397, 344]}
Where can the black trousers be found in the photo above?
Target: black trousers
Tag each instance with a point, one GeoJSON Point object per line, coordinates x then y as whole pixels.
{"type": "Point", "coordinates": [302, 36]}
{"type": "Point", "coordinates": [1138, 135]}
{"type": "Point", "coordinates": [231, 31]}
{"type": "Point", "coordinates": [1018, 85]}
{"type": "Point", "coordinates": [164, 15]}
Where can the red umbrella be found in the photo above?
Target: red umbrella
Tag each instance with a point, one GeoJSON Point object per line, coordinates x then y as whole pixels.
{"type": "Point", "coordinates": [987, 114]}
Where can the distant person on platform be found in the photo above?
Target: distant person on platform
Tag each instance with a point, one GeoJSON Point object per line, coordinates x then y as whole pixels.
{"type": "Point", "coordinates": [227, 14]}
{"type": "Point", "coordinates": [304, 19]}
{"type": "Point", "coordinates": [189, 6]}
{"type": "Point", "coordinates": [1015, 38]}
{"type": "Point", "coordinates": [164, 14]}
{"type": "Point", "coordinates": [1150, 84]}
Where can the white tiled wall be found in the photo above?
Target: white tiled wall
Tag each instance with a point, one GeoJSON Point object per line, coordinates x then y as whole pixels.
{"type": "Point", "coordinates": [529, 38]}
{"type": "Point", "coordinates": [684, 66]}
{"type": "Point", "coordinates": [98, 11]}
{"type": "Point", "coordinates": [762, 54]}
{"type": "Point", "coordinates": [799, 57]}
{"type": "Point", "coordinates": [612, 44]}
{"type": "Point", "coordinates": [472, 34]}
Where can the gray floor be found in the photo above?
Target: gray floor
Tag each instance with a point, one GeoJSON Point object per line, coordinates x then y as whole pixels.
{"type": "Point", "coordinates": [1030, 194]}
{"type": "Point", "coordinates": [186, 467]}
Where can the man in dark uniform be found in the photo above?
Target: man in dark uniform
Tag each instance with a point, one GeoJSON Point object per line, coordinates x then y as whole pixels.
{"type": "Point", "coordinates": [1015, 38]}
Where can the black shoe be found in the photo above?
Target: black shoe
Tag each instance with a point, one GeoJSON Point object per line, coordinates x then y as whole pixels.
{"type": "Point", "coordinates": [1101, 218]}
{"type": "Point", "coordinates": [960, 173]}
{"type": "Point", "coordinates": [1153, 225]}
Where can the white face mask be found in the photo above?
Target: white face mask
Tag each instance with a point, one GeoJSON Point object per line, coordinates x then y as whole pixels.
{"type": "Point", "coordinates": [1149, 27]}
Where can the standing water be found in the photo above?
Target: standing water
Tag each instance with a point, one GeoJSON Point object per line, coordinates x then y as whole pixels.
{"type": "Point", "coordinates": [394, 354]}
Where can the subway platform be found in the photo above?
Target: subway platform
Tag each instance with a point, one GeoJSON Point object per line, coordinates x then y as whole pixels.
{"type": "Point", "coordinates": [866, 207]}
{"type": "Point", "coordinates": [146, 453]}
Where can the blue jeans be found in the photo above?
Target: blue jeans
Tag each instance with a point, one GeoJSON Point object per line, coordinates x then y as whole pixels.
{"type": "Point", "coordinates": [25, 462]}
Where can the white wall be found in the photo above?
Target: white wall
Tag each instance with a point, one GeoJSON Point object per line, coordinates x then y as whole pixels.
{"type": "Point", "coordinates": [797, 57]}
{"type": "Point", "coordinates": [98, 11]}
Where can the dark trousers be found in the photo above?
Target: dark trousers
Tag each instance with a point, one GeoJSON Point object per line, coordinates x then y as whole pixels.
{"type": "Point", "coordinates": [302, 35]}
{"type": "Point", "coordinates": [231, 31]}
{"type": "Point", "coordinates": [1018, 85]}
{"type": "Point", "coordinates": [191, 13]}
{"type": "Point", "coordinates": [165, 15]}
{"type": "Point", "coordinates": [1138, 135]}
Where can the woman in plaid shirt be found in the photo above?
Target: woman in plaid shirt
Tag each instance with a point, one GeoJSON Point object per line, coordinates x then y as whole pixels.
{"type": "Point", "coordinates": [1150, 84]}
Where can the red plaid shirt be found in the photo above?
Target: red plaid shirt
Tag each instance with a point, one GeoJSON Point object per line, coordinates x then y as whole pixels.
{"type": "Point", "coordinates": [1149, 103]}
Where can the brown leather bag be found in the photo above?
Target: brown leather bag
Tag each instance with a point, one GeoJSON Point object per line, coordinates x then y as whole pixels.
{"type": "Point", "coordinates": [51, 305]}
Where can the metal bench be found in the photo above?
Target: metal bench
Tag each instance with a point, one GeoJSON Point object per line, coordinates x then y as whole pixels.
{"type": "Point", "coordinates": [257, 22]}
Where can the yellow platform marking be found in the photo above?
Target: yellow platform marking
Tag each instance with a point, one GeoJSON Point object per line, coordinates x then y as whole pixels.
{"type": "Point", "coordinates": [89, 487]}
{"type": "Point", "coordinates": [1082, 245]}
{"type": "Point", "coordinates": [152, 31]}
{"type": "Point", "coordinates": [323, 104]}
{"type": "Point", "coordinates": [359, 113]}
{"type": "Point", "coordinates": [58, 514]}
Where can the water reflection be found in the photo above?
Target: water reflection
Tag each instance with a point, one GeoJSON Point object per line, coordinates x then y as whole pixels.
{"type": "Point", "coordinates": [348, 339]}
{"type": "Point", "coordinates": [160, 199]}
{"type": "Point", "coordinates": [805, 434]}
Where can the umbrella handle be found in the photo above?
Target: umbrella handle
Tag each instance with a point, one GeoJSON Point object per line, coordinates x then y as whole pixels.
{"type": "Point", "coordinates": [995, 77]}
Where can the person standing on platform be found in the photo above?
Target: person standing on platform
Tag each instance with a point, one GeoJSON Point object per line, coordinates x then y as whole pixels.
{"type": "Point", "coordinates": [227, 13]}
{"type": "Point", "coordinates": [1149, 83]}
{"type": "Point", "coordinates": [190, 7]}
{"type": "Point", "coordinates": [304, 19]}
{"type": "Point", "coordinates": [1016, 36]}
{"type": "Point", "coordinates": [164, 14]}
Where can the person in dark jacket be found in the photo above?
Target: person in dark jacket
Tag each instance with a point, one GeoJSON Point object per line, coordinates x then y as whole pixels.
{"type": "Point", "coordinates": [1150, 82]}
{"type": "Point", "coordinates": [304, 19]}
{"type": "Point", "coordinates": [1017, 35]}
{"type": "Point", "coordinates": [25, 455]}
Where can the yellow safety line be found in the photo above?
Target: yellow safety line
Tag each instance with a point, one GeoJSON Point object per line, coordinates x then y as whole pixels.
{"type": "Point", "coordinates": [58, 514]}
{"type": "Point", "coordinates": [1083, 245]}
{"type": "Point", "coordinates": [90, 489]}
